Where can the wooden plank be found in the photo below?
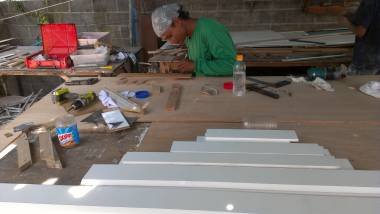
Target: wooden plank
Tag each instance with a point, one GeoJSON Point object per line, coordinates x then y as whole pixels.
{"type": "Point", "coordinates": [250, 148]}
{"type": "Point", "coordinates": [277, 180]}
{"type": "Point", "coordinates": [19, 198]}
{"type": "Point", "coordinates": [48, 151]}
{"type": "Point", "coordinates": [247, 160]}
{"type": "Point", "coordinates": [251, 135]}
{"type": "Point", "coordinates": [6, 40]}
{"type": "Point", "coordinates": [24, 157]}
{"type": "Point", "coordinates": [174, 97]}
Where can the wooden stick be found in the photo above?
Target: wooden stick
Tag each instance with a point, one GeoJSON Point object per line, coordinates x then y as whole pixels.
{"type": "Point", "coordinates": [174, 97]}
{"type": "Point", "coordinates": [24, 157]}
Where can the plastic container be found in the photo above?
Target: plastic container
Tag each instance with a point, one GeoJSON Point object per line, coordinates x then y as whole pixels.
{"type": "Point", "coordinates": [239, 76]}
{"type": "Point", "coordinates": [59, 41]}
{"type": "Point", "coordinates": [90, 57]}
{"type": "Point", "coordinates": [91, 38]}
{"type": "Point", "coordinates": [67, 131]}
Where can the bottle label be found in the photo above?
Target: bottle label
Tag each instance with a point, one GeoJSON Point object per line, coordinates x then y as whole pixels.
{"type": "Point", "coordinates": [68, 136]}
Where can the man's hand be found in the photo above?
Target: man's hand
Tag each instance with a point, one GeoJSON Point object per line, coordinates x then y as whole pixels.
{"type": "Point", "coordinates": [186, 66]}
{"type": "Point", "coordinates": [360, 31]}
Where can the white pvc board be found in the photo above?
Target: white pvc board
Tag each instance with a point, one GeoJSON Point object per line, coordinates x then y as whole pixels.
{"type": "Point", "coordinates": [247, 37]}
{"type": "Point", "coordinates": [251, 135]}
{"type": "Point", "coordinates": [278, 180]}
{"type": "Point", "coordinates": [245, 160]}
{"type": "Point", "coordinates": [202, 139]}
{"type": "Point", "coordinates": [345, 164]}
{"type": "Point", "coordinates": [19, 198]}
{"type": "Point", "coordinates": [250, 148]}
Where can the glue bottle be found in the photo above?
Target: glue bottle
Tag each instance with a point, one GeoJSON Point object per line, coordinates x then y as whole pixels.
{"type": "Point", "coordinates": [239, 76]}
{"type": "Point", "coordinates": [67, 131]}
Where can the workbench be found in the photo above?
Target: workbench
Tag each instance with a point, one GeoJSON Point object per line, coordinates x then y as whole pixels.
{"type": "Point", "coordinates": [347, 122]}
{"type": "Point", "coordinates": [117, 68]}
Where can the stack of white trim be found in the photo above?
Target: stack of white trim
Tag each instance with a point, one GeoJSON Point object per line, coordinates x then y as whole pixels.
{"type": "Point", "coordinates": [239, 171]}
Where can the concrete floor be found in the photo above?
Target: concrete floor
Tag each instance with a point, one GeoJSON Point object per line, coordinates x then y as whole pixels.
{"type": "Point", "coordinates": [93, 148]}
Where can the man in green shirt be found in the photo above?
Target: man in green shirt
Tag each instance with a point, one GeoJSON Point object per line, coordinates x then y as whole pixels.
{"type": "Point", "coordinates": [211, 51]}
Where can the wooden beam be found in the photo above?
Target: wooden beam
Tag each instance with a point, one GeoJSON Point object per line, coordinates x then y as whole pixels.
{"type": "Point", "coordinates": [276, 180]}
{"type": "Point", "coordinates": [251, 135]}
{"type": "Point", "coordinates": [246, 160]}
{"type": "Point", "coordinates": [30, 198]}
{"type": "Point", "coordinates": [24, 157]}
{"type": "Point", "coordinates": [174, 97]}
{"type": "Point", "coordinates": [250, 148]}
{"type": "Point", "coordinates": [48, 151]}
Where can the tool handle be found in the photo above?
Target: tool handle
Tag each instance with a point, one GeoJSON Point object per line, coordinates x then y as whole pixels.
{"type": "Point", "coordinates": [282, 83]}
{"type": "Point", "coordinates": [263, 91]}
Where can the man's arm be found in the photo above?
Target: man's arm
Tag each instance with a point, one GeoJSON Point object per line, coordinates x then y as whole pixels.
{"type": "Point", "coordinates": [223, 52]}
{"type": "Point", "coordinates": [363, 17]}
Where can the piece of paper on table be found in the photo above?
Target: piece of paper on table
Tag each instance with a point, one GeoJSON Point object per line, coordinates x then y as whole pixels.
{"type": "Point", "coordinates": [115, 120]}
{"type": "Point", "coordinates": [371, 88]}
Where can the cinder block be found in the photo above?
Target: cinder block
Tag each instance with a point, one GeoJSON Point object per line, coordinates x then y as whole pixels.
{"type": "Point", "coordinates": [124, 31]}
{"type": "Point", "coordinates": [123, 43]}
{"type": "Point", "coordinates": [231, 5]}
{"type": "Point", "coordinates": [149, 5]}
{"type": "Point", "coordinates": [201, 5]}
{"type": "Point", "coordinates": [81, 6]}
{"type": "Point", "coordinates": [123, 5]}
{"type": "Point", "coordinates": [117, 18]}
{"type": "Point", "coordinates": [104, 5]}
{"type": "Point", "coordinates": [34, 31]}
{"type": "Point", "coordinates": [61, 8]}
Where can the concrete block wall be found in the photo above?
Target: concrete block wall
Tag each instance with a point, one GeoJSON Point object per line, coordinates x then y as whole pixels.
{"type": "Point", "coordinates": [88, 15]}
{"type": "Point", "coordinates": [242, 15]}
{"type": "Point", "coordinates": [3, 27]}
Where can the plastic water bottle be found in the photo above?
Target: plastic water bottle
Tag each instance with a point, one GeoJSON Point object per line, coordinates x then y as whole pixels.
{"type": "Point", "coordinates": [239, 76]}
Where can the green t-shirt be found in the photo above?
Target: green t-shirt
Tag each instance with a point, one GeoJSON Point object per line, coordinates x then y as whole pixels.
{"type": "Point", "coordinates": [211, 49]}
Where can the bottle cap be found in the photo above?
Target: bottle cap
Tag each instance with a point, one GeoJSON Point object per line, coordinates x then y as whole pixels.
{"type": "Point", "coordinates": [142, 94]}
{"type": "Point", "coordinates": [239, 57]}
{"type": "Point", "coordinates": [228, 85]}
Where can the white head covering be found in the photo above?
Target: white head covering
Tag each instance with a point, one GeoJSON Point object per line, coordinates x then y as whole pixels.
{"type": "Point", "coordinates": [163, 16]}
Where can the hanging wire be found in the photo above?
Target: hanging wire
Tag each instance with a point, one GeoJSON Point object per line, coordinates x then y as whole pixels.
{"type": "Point", "coordinates": [33, 11]}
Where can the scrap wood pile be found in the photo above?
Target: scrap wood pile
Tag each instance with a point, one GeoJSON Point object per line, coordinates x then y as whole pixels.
{"type": "Point", "coordinates": [12, 106]}
{"type": "Point", "coordinates": [166, 60]}
{"type": "Point", "coordinates": [295, 46]}
{"type": "Point", "coordinates": [5, 45]}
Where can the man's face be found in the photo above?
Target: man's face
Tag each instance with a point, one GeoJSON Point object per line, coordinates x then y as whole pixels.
{"type": "Point", "coordinates": [176, 34]}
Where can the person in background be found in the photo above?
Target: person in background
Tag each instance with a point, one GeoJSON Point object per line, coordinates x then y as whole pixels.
{"type": "Point", "coordinates": [366, 26]}
{"type": "Point", "coordinates": [211, 51]}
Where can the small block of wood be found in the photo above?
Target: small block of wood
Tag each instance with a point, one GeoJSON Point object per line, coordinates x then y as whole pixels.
{"type": "Point", "coordinates": [156, 89]}
{"type": "Point", "coordinates": [48, 152]}
{"type": "Point", "coordinates": [174, 97]}
{"type": "Point", "coordinates": [24, 157]}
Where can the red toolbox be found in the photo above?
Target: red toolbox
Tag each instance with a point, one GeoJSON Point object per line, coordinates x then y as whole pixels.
{"type": "Point", "coordinates": [59, 41]}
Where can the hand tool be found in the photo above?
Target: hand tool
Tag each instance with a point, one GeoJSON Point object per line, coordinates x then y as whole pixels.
{"type": "Point", "coordinates": [261, 89]}
{"type": "Point", "coordinates": [62, 94]}
{"type": "Point", "coordinates": [83, 101]}
{"type": "Point", "coordinates": [90, 81]}
{"type": "Point", "coordinates": [274, 85]}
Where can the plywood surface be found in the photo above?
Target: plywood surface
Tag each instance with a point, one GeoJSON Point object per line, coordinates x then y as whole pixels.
{"type": "Point", "coordinates": [307, 105]}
